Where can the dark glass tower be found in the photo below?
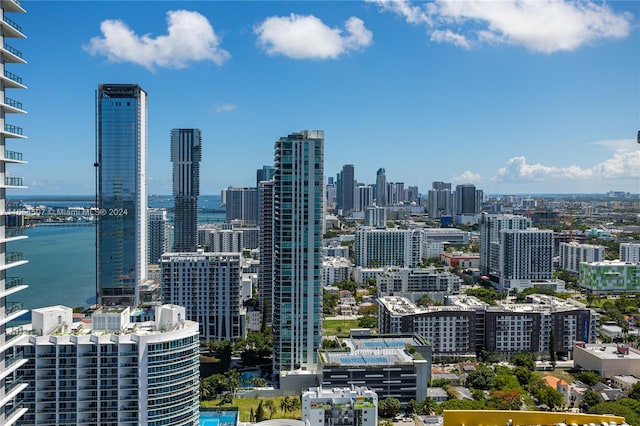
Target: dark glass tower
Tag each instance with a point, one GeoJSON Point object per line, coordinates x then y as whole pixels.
{"type": "Point", "coordinates": [186, 153]}
{"type": "Point", "coordinates": [121, 149]}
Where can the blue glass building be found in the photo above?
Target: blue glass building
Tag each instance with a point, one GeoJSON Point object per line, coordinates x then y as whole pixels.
{"type": "Point", "coordinates": [121, 146]}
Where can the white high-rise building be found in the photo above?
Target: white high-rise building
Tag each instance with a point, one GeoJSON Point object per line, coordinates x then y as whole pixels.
{"type": "Point", "coordinates": [387, 247]}
{"type": "Point", "coordinates": [375, 216]}
{"type": "Point", "coordinates": [208, 286]}
{"type": "Point", "coordinates": [111, 371]}
{"type": "Point", "coordinates": [11, 408]}
{"type": "Point", "coordinates": [297, 240]}
{"type": "Point", "coordinates": [630, 252]}
{"type": "Point", "coordinates": [571, 254]}
{"type": "Point", "coordinates": [490, 227]}
{"type": "Point", "coordinates": [363, 198]}
{"type": "Point", "coordinates": [525, 256]}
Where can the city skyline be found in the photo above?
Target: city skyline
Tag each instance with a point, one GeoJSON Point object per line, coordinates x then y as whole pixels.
{"type": "Point", "coordinates": [486, 100]}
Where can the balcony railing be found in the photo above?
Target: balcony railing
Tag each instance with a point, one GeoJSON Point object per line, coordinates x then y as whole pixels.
{"type": "Point", "coordinates": [9, 361]}
{"type": "Point", "coordinates": [13, 155]}
{"type": "Point", "coordinates": [11, 282]}
{"type": "Point", "coordinates": [18, 405]}
{"type": "Point", "coordinates": [13, 181]}
{"type": "Point", "coordinates": [11, 23]}
{"type": "Point", "coordinates": [12, 76]}
{"type": "Point", "coordinates": [13, 232]}
{"type": "Point", "coordinates": [14, 332]}
{"type": "Point", "coordinates": [13, 50]}
{"type": "Point", "coordinates": [13, 129]}
{"type": "Point", "coordinates": [13, 307]}
{"type": "Point", "coordinates": [12, 102]}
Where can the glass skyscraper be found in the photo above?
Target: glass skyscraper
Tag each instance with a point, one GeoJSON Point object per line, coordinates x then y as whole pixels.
{"type": "Point", "coordinates": [298, 213]}
{"type": "Point", "coordinates": [121, 147]}
{"type": "Point", "coordinates": [186, 153]}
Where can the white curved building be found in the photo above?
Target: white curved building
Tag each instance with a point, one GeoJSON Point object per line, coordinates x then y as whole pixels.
{"type": "Point", "coordinates": [122, 367]}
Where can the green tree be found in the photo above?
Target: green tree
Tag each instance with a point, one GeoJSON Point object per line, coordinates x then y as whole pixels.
{"type": "Point", "coordinates": [270, 406]}
{"type": "Point", "coordinates": [590, 399]}
{"type": "Point", "coordinates": [551, 397]}
{"type": "Point", "coordinates": [523, 375]}
{"type": "Point", "coordinates": [506, 381]}
{"type": "Point", "coordinates": [368, 322]}
{"type": "Point", "coordinates": [427, 406]}
{"type": "Point", "coordinates": [505, 399]}
{"type": "Point", "coordinates": [625, 407]}
{"type": "Point", "coordinates": [259, 414]}
{"type": "Point", "coordinates": [523, 359]}
{"type": "Point", "coordinates": [634, 393]}
{"type": "Point", "coordinates": [588, 377]}
{"type": "Point", "coordinates": [481, 378]}
{"type": "Point", "coordinates": [389, 407]}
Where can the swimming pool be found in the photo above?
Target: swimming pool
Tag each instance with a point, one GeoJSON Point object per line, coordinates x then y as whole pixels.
{"type": "Point", "coordinates": [218, 418]}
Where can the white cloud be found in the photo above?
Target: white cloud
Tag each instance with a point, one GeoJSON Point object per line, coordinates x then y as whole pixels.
{"type": "Point", "coordinates": [190, 38]}
{"type": "Point", "coordinates": [224, 107]}
{"type": "Point", "coordinates": [623, 164]}
{"type": "Point", "coordinates": [467, 177]}
{"type": "Point", "coordinates": [307, 37]}
{"type": "Point", "coordinates": [539, 25]}
{"type": "Point", "coordinates": [616, 144]}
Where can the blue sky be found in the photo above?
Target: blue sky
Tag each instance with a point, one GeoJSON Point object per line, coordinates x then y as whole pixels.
{"type": "Point", "coordinates": [514, 96]}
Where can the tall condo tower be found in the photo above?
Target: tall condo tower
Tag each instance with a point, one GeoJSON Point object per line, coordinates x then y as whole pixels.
{"type": "Point", "coordinates": [381, 187]}
{"type": "Point", "coordinates": [298, 214]}
{"type": "Point", "coordinates": [347, 188]}
{"type": "Point", "coordinates": [121, 162]}
{"type": "Point", "coordinates": [11, 408]}
{"type": "Point", "coordinates": [186, 153]}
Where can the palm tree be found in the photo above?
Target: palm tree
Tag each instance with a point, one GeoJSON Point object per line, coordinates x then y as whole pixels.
{"type": "Point", "coordinates": [233, 380]}
{"type": "Point", "coordinates": [205, 389]}
{"type": "Point", "coordinates": [269, 405]}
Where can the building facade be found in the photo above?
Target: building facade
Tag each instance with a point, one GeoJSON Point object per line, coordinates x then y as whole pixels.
{"type": "Point", "coordinates": [186, 154]}
{"type": "Point", "coordinates": [11, 407]}
{"type": "Point", "coordinates": [265, 272]}
{"type": "Point", "coordinates": [629, 252]}
{"type": "Point", "coordinates": [298, 222]}
{"type": "Point", "coordinates": [490, 227]}
{"type": "Point", "coordinates": [241, 205]}
{"type": "Point", "coordinates": [381, 187]}
{"type": "Point", "coordinates": [397, 281]}
{"type": "Point", "coordinates": [207, 285]}
{"type": "Point", "coordinates": [375, 247]}
{"type": "Point", "coordinates": [350, 406]}
{"type": "Point", "coordinates": [158, 234]}
{"type": "Point", "coordinates": [110, 370]}
{"type": "Point", "coordinates": [572, 253]}
{"type": "Point", "coordinates": [121, 162]}
{"type": "Point", "coordinates": [346, 187]}
{"type": "Point", "coordinates": [525, 256]}
{"type": "Point", "coordinates": [610, 277]}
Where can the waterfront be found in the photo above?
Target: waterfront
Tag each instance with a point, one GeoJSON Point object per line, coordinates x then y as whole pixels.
{"type": "Point", "coordinates": [62, 263]}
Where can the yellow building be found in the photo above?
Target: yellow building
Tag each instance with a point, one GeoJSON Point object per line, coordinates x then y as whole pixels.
{"type": "Point", "coordinates": [515, 418]}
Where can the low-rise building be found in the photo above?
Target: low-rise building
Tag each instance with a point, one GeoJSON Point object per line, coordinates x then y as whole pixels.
{"type": "Point", "coordinates": [347, 406]}
{"type": "Point", "coordinates": [392, 366]}
{"type": "Point", "coordinates": [608, 360]}
{"type": "Point", "coordinates": [461, 260]}
{"type": "Point", "coordinates": [610, 276]}
{"type": "Point", "coordinates": [334, 270]}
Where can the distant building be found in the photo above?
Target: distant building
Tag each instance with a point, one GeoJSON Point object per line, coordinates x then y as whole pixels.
{"type": "Point", "coordinates": [467, 203]}
{"type": "Point", "coordinates": [335, 269]}
{"type": "Point", "coordinates": [158, 234]}
{"type": "Point", "coordinates": [387, 247]}
{"type": "Point", "coordinates": [208, 286]}
{"type": "Point", "coordinates": [112, 370]}
{"type": "Point", "coordinates": [610, 276]}
{"type": "Point", "coordinates": [446, 235]}
{"type": "Point", "coordinates": [572, 254]}
{"type": "Point", "coordinates": [266, 237]}
{"type": "Point", "coordinates": [399, 281]}
{"type": "Point", "coordinates": [214, 239]}
{"type": "Point", "coordinates": [506, 328]}
{"type": "Point", "coordinates": [346, 186]}
{"type": "Point", "coordinates": [375, 216]}
{"type": "Point", "coordinates": [525, 256]}
{"type": "Point", "coordinates": [241, 205]}
{"type": "Point", "coordinates": [363, 198]}
{"type": "Point", "coordinates": [381, 187]}
{"type": "Point", "coordinates": [461, 260]}
{"type": "Point", "coordinates": [630, 252]}
{"type": "Point", "coordinates": [490, 227]}
{"type": "Point", "coordinates": [186, 154]}
{"type": "Point", "coordinates": [340, 406]}
{"type": "Point", "coordinates": [440, 200]}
